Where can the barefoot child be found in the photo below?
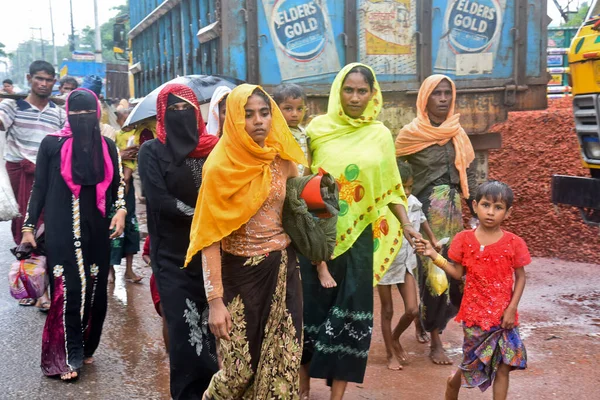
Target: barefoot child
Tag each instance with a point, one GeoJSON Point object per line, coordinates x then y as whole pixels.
{"type": "Point", "coordinates": [493, 260]}
{"type": "Point", "coordinates": [291, 100]}
{"type": "Point", "coordinates": [401, 274]}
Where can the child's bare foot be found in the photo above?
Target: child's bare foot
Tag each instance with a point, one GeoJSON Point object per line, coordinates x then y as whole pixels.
{"type": "Point", "coordinates": [451, 390]}
{"type": "Point", "coordinates": [88, 360]}
{"type": "Point", "coordinates": [422, 337]}
{"type": "Point", "coordinates": [111, 274]}
{"type": "Point", "coordinates": [69, 376]}
{"type": "Point", "coordinates": [132, 277]}
{"type": "Point", "coordinates": [439, 356]}
{"type": "Point", "coordinates": [325, 277]}
{"type": "Point", "coordinates": [399, 352]}
{"type": "Point", "coordinates": [420, 334]}
{"type": "Point", "coordinates": [393, 363]}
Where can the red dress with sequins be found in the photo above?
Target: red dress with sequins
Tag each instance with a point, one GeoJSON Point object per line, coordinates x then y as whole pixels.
{"type": "Point", "coordinates": [489, 276]}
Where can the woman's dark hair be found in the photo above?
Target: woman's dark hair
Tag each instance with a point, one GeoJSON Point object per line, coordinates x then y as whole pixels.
{"type": "Point", "coordinates": [406, 171]}
{"type": "Point", "coordinates": [43, 66]}
{"type": "Point", "coordinates": [258, 92]}
{"type": "Point", "coordinates": [365, 72]}
{"type": "Point", "coordinates": [223, 100]}
{"type": "Point", "coordinates": [496, 191]}
{"type": "Point", "coordinates": [288, 91]}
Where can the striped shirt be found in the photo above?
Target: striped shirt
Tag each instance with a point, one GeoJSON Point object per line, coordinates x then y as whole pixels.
{"type": "Point", "coordinates": [26, 126]}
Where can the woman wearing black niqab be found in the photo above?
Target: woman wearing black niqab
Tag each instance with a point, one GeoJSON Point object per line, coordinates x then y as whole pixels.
{"type": "Point", "coordinates": [171, 171]}
{"type": "Point", "coordinates": [78, 182]}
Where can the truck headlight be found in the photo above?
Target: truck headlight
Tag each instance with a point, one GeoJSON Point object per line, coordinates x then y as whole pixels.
{"type": "Point", "coordinates": [591, 147]}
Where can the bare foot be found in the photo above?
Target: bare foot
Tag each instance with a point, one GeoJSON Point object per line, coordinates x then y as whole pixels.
{"type": "Point", "coordinates": [132, 277]}
{"type": "Point", "coordinates": [399, 351]}
{"type": "Point", "coordinates": [88, 360]}
{"type": "Point", "coordinates": [69, 376]}
{"type": "Point", "coordinates": [451, 391]}
{"type": "Point", "coordinates": [325, 277]}
{"type": "Point", "coordinates": [439, 357]}
{"type": "Point", "coordinates": [393, 363]}
{"type": "Point", "coordinates": [422, 337]}
{"type": "Point", "coordinates": [111, 274]}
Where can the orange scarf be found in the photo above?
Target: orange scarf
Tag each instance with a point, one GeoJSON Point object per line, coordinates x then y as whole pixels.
{"type": "Point", "coordinates": [236, 178]}
{"type": "Point", "coordinates": [420, 134]}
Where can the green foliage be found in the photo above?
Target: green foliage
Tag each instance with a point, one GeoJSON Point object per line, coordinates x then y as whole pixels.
{"type": "Point", "coordinates": [576, 20]}
{"type": "Point", "coordinates": [87, 36]}
{"type": "Point", "coordinates": [23, 55]}
{"type": "Point", "coordinates": [2, 51]}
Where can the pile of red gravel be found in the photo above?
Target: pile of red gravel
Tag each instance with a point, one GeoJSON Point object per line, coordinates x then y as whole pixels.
{"type": "Point", "coordinates": [537, 145]}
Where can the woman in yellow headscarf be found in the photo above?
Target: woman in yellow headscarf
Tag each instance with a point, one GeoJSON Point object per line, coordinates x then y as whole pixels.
{"type": "Point", "coordinates": [440, 154]}
{"type": "Point", "coordinates": [350, 144]}
{"type": "Point", "coordinates": [253, 288]}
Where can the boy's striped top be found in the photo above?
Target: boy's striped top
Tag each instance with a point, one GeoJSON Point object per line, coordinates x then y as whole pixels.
{"type": "Point", "coordinates": [26, 126]}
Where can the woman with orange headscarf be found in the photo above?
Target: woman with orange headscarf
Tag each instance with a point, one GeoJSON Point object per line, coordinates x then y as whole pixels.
{"type": "Point", "coordinates": [171, 171]}
{"type": "Point", "coordinates": [253, 286]}
{"type": "Point", "coordinates": [440, 154]}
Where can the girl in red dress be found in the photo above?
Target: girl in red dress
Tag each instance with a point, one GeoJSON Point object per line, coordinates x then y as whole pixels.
{"type": "Point", "coordinates": [493, 261]}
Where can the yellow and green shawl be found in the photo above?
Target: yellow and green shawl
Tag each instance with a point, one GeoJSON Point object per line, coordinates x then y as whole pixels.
{"type": "Point", "coordinates": [360, 154]}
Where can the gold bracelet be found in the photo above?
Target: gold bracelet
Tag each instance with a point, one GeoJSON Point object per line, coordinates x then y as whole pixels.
{"type": "Point", "coordinates": [407, 224]}
{"type": "Point", "coordinates": [440, 261]}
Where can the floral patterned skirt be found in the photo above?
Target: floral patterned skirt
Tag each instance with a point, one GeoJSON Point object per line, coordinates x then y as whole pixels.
{"type": "Point", "coordinates": [264, 297]}
{"type": "Point", "coordinates": [484, 351]}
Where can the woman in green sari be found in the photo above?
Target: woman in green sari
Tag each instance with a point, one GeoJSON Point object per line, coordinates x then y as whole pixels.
{"type": "Point", "coordinates": [349, 143]}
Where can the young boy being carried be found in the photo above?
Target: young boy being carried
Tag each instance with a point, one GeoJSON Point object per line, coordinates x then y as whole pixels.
{"type": "Point", "coordinates": [291, 100]}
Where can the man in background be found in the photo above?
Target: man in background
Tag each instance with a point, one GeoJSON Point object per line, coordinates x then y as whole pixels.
{"type": "Point", "coordinates": [7, 87]}
{"type": "Point", "coordinates": [67, 84]}
{"type": "Point", "coordinates": [27, 122]}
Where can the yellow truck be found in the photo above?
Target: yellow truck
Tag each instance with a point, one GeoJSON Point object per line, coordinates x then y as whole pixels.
{"type": "Point", "coordinates": [584, 78]}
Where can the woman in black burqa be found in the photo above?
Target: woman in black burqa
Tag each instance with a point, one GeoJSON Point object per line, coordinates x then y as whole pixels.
{"type": "Point", "coordinates": [78, 182]}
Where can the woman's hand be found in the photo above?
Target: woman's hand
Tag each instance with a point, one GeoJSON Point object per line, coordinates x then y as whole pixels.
{"type": "Point", "coordinates": [412, 235]}
{"type": "Point", "coordinates": [219, 319]}
{"type": "Point", "coordinates": [118, 224]}
{"type": "Point", "coordinates": [29, 238]}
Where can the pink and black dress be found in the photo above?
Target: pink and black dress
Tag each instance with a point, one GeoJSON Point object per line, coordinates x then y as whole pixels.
{"type": "Point", "coordinates": [78, 182]}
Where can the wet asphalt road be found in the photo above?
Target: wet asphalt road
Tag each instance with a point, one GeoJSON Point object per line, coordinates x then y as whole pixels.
{"type": "Point", "coordinates": [130, 363]}
{"type": "Point", "coordinates": [560, 323]}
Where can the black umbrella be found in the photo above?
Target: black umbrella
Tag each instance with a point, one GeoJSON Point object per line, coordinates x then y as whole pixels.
{"type": "Point", "coordinates": [203, 86]}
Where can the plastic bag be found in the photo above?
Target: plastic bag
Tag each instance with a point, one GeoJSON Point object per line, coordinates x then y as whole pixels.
{"type": "Point", "coordinates": [9, 208]}
{"type": "Point", "coordinates": [28, 278]}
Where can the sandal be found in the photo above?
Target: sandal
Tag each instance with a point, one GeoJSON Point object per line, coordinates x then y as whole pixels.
{"type": "Point", "coordinates": [27, 302]}
{"type": "Point", "coordinates": [44, 307]}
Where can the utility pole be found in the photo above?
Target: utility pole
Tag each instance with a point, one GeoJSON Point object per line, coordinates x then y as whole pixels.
{"type": "Point", "coordinates": [563, 10]}
{"type": "Point", "coordinates": [98, 34]}
{"type": "Point", "coordinates": [53, 43]}
{"type": "Point", "coordinates": [41, 43]}
{"type": "Point", "coordinates": [72, 41]}
{"type": "Point", "coordinates": [32, 41]}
